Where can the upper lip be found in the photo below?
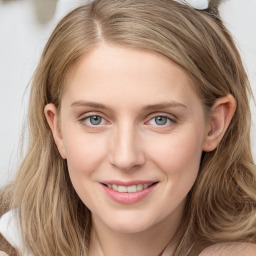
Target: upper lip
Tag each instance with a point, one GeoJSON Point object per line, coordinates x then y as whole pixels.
{"type": "Point", "coordinates": [128, 183]}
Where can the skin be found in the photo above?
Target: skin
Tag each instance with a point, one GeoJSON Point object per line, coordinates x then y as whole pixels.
{"type": "Point", "coordinates": [129, 144]}
{"type": "Point", "coordinates": [230, 249]}
{"type": "Point", "coordinates": [3, 253]}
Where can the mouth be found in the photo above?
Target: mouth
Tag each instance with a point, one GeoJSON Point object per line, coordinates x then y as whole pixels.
{"type": "Point", "coordinates": [129, 189]}
{"type": "Point", "coordinates": [128, 192]}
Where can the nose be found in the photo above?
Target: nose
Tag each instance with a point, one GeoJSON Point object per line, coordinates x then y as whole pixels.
{"type": "Point", "coordinates": [126, 150]}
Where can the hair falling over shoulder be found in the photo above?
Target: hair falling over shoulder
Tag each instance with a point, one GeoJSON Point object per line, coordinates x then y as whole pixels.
{"type": "Point", "coordinates": [221, 205]}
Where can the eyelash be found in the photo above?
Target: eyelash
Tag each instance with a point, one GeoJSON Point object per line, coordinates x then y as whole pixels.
{"type": "Point", "coordinates": [83, 120]}
{"type": "Point", "coordinates": [169, 120]}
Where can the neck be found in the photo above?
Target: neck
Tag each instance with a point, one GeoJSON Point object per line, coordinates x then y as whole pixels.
{"type": "Point", "coordinates": [151, 242]}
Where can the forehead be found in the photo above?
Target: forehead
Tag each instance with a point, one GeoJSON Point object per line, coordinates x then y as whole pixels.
{"type": "Point", "coordinates": [113, 74]}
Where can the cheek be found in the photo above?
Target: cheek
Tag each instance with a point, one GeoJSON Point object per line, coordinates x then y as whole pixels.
{"type": "Point", "coordinates": [178, 155]}
{"type": "Point", "coordinates": [84, 152]}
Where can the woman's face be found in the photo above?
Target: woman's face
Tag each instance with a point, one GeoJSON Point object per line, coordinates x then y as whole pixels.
{"type": "Point", "coordinates": [132, 130]}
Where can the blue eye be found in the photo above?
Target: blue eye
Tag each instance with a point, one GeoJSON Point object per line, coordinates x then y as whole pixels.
{"type": "Point", "coordinates": [160, 120]}
{"type": "Point", "coordinates": [94, 120]}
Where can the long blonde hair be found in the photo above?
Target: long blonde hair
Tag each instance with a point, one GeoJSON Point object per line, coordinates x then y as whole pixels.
{"type": "Point", "coordinates": [221, 205]}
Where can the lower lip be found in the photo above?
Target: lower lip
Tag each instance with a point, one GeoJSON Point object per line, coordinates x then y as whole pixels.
{"type": "Point", "coordinates": [128, 198]}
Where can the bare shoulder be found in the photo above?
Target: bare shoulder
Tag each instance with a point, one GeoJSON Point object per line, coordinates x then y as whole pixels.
{"type": "Point", "coordinates": [230, 249]}
{"type": "Point", "coordinates": [3, 253]}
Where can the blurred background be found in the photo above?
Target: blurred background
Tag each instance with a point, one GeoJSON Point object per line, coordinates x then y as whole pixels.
{"type": "Point", "coordinates": [25, 26]}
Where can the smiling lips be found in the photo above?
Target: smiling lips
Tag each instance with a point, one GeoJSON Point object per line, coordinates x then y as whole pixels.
{"type": "Point", "coordinates": [127, 193]}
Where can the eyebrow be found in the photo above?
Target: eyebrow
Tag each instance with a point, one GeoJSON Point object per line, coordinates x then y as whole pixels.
{"type": "Point", "coordinates": [164, 105]}
{"type": "Point", "coordinates": [82, 103]}
{"type": "Point", "coordinates": [173, 104]}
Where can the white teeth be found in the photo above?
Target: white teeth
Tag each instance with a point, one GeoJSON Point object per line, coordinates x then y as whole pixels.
{"type": "Point", "coordinates": [139, 187]}
{"type": "Point", "coordinates": [122, 189]}
{"type": "Point", "coordinates": [132, 189]}
{"type": "Point", "coordinates": [129, 189]}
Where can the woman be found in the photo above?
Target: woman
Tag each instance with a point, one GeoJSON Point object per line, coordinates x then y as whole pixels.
{"type": "Point", "coordinates": [139, 138]}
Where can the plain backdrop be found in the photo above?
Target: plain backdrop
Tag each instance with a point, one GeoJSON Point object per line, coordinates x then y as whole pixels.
{"type": "Point", "coordinates": [22, 39]}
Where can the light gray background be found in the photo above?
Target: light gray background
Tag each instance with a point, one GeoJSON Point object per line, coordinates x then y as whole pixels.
{"type": "Point", "coordinates": [22, 39]}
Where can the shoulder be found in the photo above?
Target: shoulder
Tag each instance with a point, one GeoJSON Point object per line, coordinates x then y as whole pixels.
{"type": "Point", "coordinates": [230, 249]}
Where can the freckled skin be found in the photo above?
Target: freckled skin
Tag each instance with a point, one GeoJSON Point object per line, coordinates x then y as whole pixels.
{"type": "Point", "coordinates": [128, 144]}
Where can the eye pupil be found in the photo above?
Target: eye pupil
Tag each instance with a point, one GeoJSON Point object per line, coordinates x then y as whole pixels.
{"type": "Point", "coordinates": [161, 120]}
{"type": "Point", "coordinates": [95, 120]}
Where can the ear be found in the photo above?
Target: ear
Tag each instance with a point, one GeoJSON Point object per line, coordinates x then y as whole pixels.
{"type": "Point", "coordinates": [218, 121]}
{"type": "Point", "coordinates": [51, 115]}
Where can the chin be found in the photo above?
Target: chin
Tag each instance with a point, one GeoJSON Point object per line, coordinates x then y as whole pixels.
{"type": "Point", "coordinates": [130, 223]}
{"type": "Point", "coordinates": [129, 228]}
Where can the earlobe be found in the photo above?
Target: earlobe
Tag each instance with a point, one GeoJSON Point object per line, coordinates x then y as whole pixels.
{"type": "Point", "coordinates": [51, 115]}
{"type": "Point", "coordinates": [219, 120]}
